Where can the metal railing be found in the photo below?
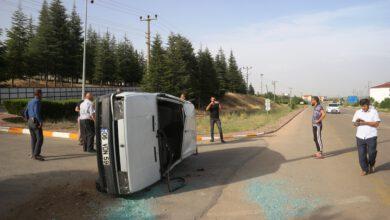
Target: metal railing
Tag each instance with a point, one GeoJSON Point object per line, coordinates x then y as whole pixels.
{"type": "Point", "coordinates": [57, 93]}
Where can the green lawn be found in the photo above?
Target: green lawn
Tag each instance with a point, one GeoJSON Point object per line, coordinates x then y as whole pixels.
{"type": "Point", "coordinates": [235, 122]}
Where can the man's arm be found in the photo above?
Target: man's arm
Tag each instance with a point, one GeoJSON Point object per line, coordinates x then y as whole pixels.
{"type": "Point", "coordinates": [374, 124]}
{"type": "Point", "coordinates": [220, 107]}
{"type": "Point", "coordinates": [209, 106]}
{"type": "Point", "coordinates": [38, 113]}
{"type": "Point", "coordinates": [323, 114]}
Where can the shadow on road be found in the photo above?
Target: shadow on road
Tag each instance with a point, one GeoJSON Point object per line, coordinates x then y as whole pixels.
{"type": "Point", "coordinates": [383, 167]}
{"type": "Point", "coordinates": [68, 156]}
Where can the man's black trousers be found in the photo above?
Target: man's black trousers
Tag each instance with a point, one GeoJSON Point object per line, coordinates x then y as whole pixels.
{"type": "Point", "coordinates": [36, 137]}
{"type": "Point", "coordinates": [87, 129]}
{"type": "Point", "coordinates": [218, 122]}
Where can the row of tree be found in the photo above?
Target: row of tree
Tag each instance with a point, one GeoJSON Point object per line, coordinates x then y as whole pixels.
{"type": "Point", "coordinates": [177, 69]}
{"type": "Point", "coordinates": [53, 47]}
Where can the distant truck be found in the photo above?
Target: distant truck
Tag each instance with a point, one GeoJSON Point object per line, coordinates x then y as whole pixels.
{"type": "Point", "coordinates": [352, 99]}
{"type": "Point", "coordinates": [140, 137]}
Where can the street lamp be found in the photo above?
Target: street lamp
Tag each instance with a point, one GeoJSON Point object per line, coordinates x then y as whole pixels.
{"type": "Point", "coordinates": [85, 49]}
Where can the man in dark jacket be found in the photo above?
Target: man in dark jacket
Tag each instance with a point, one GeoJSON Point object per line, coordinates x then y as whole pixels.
{"type": "Point", "coordinates": [215, 107]}
{"type": "Point", "coordinates": [35, 122]}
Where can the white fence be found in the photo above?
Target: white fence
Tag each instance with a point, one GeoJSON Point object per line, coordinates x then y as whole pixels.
{"type": "Point", "coordinates": [57, 93]}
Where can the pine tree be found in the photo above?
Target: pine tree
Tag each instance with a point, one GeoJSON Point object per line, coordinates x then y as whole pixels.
{"type": "Point", "coordinates": [251, 90]}
{"type": "Point", "coordinates": [75, 48]}
{"type": "Point", "coordinates": [182, 70]}
{"type": "Point", "coordinates": [129, 68]}
{"type": "Point", "coordinates": [207, 79]}
{"type": "Point", "coordinates": [3, 64]}
{"type": "Point", "coordinates": [17, 43]}
{"type": "Point", "coordinates": [31, 69]}
{"type": "Point", "coordinates": [152, 81]}
{"type": "Point", "coordinates": [142, 67]}
{"type": "Point", "coordinates": [221, 69]}
{"type": "Point", "coordinates": [92, 46]}
{"type": "Point", "coordinates": [58, 39]}
{"type": "Point", "coordinates": [105, 60]}
{"type": "Point", "coordinates": [38, 48]}
{"type": "Point", "coordinates": [234, 76]}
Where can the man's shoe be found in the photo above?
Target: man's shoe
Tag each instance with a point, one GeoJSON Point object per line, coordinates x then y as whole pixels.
{"type": "Point", "coordinates": [92, 151]}
{"type": "Point", "coordinates": [363, 173]}
{"type": "Point", "coordinates": [223, 141]}
{"type": "Point", "coordinates": [39, 158]}
{"type": "Point", "coordinates": [372, 169]}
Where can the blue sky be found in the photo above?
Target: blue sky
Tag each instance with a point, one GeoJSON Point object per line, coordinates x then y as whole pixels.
{"type": "Point", "coordinates": [328, 47]}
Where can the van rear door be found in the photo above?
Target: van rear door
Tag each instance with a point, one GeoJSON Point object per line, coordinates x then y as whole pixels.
{"type": "Point", "coordinates": [141, 142]}
{"type": "Point", "coordinates": [189, 136]}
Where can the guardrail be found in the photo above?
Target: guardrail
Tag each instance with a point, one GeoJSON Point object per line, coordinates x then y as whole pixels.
{"type": "Point", "coordinates": [57, 93]}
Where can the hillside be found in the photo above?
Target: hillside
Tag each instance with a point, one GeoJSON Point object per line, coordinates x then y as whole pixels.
{"type": "Point", "coordinates": [242, 102]}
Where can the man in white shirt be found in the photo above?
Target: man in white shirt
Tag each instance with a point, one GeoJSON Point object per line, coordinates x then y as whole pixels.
{"type": "Point", "coordinates": [366, 120]}
{"type": "Point", "coordinates": [87, 122]}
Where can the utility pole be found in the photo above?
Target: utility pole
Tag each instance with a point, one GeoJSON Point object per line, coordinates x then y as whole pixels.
{"type": "Point", "coordinates": [261, 83]}
{"type": "Point", "coordinates": [85, 49]}
{"type": "Point", "coordinates": [368, 89]}
{"type": "Point", "coordinates": [274, 84]}
{"type": "Point", "coordinates": [290, 94]}
{"type": "Point", "coordinates": [148, 19]}
{"type": "Point", "coordinates": [247, 68]}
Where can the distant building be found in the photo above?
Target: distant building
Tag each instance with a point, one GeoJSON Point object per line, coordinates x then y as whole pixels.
{"type": "Point", "coordinates": [307, 98]}
{"type": "Point", "coordinates": [380, 92]}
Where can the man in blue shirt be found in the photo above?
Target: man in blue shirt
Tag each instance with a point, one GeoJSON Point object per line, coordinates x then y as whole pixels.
{"type": "Point", "coordinates": [34, 117]}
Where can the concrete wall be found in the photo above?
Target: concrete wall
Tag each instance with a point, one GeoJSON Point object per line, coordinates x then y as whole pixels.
{"type": "Point", "coordinates": [379, 94]}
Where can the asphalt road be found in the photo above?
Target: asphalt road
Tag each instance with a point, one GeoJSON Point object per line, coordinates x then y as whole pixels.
{"type": "Point", "coordinates": [271, 177]}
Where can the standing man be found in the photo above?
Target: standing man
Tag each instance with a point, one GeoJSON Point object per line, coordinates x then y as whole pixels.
{"type": "Point", "coordinates": [34, 118]}
{"type": "Point", "coordinates": [318, 116]}
{"type": "Point", "coordinates": [87, 123]}
{"type": "Point", "coordinates": [367, 121]}
{"type": "Point", "coordinates": [215, 107]}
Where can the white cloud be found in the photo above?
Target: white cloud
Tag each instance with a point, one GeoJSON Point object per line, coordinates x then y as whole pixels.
{"type": "Point", "coordinates": [328, 53]}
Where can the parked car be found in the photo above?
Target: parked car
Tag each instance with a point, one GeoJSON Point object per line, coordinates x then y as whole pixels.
{"type": "Point", "coordinates": [140, 137]}
{"type": "Point", "coordinates": [333, 108]}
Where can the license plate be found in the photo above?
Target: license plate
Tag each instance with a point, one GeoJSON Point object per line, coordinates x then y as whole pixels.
{"type": "Point", "coordinates": [105, 147]}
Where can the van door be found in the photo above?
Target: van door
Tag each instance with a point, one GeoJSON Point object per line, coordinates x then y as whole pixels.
{"type": "Point", "coordinates": [141, 142]}
{"type": "Point", "coordinates": [189, 136]}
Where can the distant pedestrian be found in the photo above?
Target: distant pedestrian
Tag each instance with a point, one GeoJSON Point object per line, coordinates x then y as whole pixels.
{"type": "Point", "coordinates": [318, 116]}
{"type": "Point", "coordinates": [366, 120]}
{"type": "Point", "coordinates": [215, 107]}
{"type": "Point", "coordinates": [77, 109]}
{"type": "Point", "coordinates": [87, 122]}
{"type": "Point", "coordinates": [35, 123]}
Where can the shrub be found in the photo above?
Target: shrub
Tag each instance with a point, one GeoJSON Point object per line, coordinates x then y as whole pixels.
{"type": "Point", "coordinates": [51, 110]}
{"type": "Point", "coordinates": [385, 103]}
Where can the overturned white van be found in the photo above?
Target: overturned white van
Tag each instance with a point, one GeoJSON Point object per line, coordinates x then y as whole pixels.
{"type": "Point", "coordinates": [140, 137]}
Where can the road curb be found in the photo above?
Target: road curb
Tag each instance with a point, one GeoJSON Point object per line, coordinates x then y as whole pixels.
{"type": "Point", "coordinates": [253, 134]}
{"type": "Point", "coordinates": [55, 134]}
{"type": "Point", "coordinates": [74, 136]}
